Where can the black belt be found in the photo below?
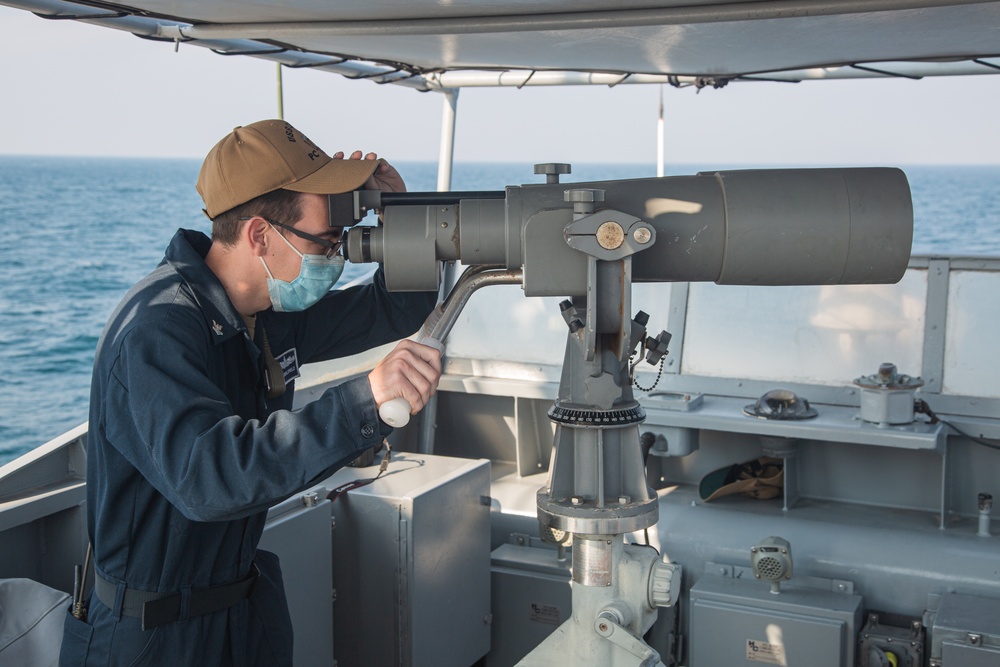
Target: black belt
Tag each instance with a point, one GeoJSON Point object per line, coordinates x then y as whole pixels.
{"type": "Point", "coordinates": [161, 608]}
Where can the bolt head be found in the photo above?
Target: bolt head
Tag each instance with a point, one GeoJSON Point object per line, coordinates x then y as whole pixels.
{"type": "Point", "coordinates": [610, 235]}
{"type": "Point", "coordinates": [642, 235]}
{"type": "Point", "coordinates": [583, 195]}
{"type": "Point", "coordinates": [576, 500]}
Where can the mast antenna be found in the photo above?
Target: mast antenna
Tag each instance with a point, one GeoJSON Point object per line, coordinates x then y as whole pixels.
{"type": "Point", "coordinates": [659, 138]}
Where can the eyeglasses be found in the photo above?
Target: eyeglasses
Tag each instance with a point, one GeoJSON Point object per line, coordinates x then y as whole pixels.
{"type": "Point", "coordinates": [333, 247]}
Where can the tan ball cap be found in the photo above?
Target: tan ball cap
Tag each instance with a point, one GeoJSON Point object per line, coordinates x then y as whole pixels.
{"type": "Point", "coordinates": [269, 155]}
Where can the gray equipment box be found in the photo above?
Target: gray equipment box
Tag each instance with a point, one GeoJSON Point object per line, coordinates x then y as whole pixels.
{"type": "Point", "coordinates": [966, 632]}
{"type": "Point", "coordinates": [411, 563]}
{"type": "Point", "coordinates": [298, 531]}
{"type": "Point", "coordinates": [531, 598]}
{"type": "Point", "coordinates": [738, 622]}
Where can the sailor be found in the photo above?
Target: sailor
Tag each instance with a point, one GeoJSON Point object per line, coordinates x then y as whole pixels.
{"type": "Point", "coordinates": [192, 432]}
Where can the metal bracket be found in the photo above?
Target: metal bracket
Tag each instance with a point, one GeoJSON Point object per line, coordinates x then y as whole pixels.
{"type": "Point", "coordinates": [817, 583]}
{"type": "Point", "coordinates": [608, 628]}
{"type": "Point", "coordinates": [610, 235]}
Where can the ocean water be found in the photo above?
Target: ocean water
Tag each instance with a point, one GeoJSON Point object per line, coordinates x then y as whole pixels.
{"type": "Point", "coordinates": [78, 232]}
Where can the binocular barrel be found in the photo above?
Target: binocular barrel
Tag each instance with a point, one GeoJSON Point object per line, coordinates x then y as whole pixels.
{"type": "Point", "coordinates": [747, 227]}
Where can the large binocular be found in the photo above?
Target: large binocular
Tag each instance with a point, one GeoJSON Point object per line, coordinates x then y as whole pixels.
{"type": "Point", "coordinates": [746, 227]}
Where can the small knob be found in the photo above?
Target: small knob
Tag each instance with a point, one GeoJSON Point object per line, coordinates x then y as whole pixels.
{"type": "Point", "coordinates": [583, 200]}
{"type": "Point", "coordinates": [985, 502]}
{"type": "Point", "coordinates": [887, 373]}
{"type": "Point", "coordinates": [664, 584]}
{"type": "Point", "coordinates": [656, 347]}
{"type": "Point", "coordinates": [552, 170]}
{"type": "Point", "coordinates": [583, 196]}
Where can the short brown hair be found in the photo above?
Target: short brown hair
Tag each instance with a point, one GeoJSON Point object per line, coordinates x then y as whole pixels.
{"type": "Point", "coordinates": [282, 206]}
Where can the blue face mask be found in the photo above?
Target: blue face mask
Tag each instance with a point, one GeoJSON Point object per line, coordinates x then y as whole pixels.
{"type": "Point", "coordinates": [316, 276]}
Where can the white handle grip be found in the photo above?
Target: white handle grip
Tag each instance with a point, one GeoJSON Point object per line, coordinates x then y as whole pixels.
{"type": "Point", "coordinates": [396, 411]}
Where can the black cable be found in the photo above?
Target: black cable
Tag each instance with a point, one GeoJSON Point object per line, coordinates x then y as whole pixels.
{"type": "Point", "coordinates": [864, 68]}
{"type": "Point", "coordinates": [350, 486]}
{"type": "Point", "coordinates": [525, 82]}
{"type": "Point", "coordinates": [621, 80]}
{"type": "Point", "coordinates": [332, 61]}
{"type": "Point", "coordinates": [258, 52]}
{"type": "Point", "coordinates": [84, 17]}
{"type": "Point", "coordinates": [978, 441]}
{"type": "Point", "coordinates": [983, 62]}
{"type": "Point", "coordinates": [358, 483]}
{"type": "Point", "coordinates": [922, 407]}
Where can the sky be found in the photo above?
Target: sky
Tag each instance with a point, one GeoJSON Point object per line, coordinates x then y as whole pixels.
{"type": "Point", "coordinates": [68, 88]}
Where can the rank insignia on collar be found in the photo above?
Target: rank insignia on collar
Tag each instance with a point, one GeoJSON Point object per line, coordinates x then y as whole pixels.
{"type": "Point", "coordinates": [217, 328]}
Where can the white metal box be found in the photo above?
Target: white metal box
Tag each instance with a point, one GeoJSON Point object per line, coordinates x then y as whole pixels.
{"type": "Point", "coordinates": [531, 598]}
{"type": "Point", "coordinates": [966, 632]}
{"type": "Point", "coordinates": [298, 531]}
{"type": "Point", "coordinates": [411, 563]}
{"type": "Point", "coordinates": [738, 622]}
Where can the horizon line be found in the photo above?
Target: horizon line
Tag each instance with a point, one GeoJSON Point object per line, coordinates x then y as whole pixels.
{"type": "Point", "coordinates": [774, 163]}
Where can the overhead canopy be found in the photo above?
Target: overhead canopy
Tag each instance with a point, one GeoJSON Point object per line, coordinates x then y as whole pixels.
{"type": "Point", "coordinates": [431, 44]}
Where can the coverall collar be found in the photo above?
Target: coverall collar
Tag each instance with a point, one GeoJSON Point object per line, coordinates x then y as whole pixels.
{"type": "Point", "coordinates": [186, 254]}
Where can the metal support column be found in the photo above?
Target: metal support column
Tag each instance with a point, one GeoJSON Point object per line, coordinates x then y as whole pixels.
{"type": "Point", "coordinates": [448, 116]}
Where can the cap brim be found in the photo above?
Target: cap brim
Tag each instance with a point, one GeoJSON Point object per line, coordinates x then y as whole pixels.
{"type": "Point", "coordinates": [743, 486]}
{"type": "Point", "coordinates": [336, 176]}
{"type": "Point", "coordinates": [713, 482]}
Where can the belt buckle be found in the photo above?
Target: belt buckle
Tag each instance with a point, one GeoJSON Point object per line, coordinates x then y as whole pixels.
{"type": "Point", "coordinates": [161, 611]}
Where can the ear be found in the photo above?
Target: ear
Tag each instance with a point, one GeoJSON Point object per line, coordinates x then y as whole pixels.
{"type": "Point", "coordinates": [254, 232]}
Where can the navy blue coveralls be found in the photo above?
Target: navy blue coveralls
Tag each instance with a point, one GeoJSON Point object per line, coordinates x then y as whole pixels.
{"type": "Point", "coordinates": [186, 454]}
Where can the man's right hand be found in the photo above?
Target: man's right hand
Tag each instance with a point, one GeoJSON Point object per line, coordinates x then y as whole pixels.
{"type": "Point", "coordinates": [410, 371]}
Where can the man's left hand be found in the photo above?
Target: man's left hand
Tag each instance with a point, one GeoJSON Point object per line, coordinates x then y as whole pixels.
{"type": "Point", "coordinates": [385, 178]}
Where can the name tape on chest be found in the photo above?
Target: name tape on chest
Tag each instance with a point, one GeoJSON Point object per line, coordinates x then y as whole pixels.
{"type": "Point", "coordinates": [289, 362]}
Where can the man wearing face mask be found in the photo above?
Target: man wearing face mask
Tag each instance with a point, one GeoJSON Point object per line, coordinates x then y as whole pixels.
{"type": "Point", "coordinates": [192, 437]}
